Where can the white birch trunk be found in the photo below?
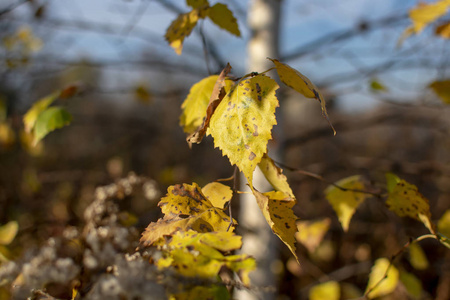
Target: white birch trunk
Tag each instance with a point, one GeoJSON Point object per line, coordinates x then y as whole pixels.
{"type": "Point", "coordinates": [258, 239]}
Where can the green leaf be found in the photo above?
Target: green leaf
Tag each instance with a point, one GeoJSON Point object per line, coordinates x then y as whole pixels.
{"type": "Point", "coordinates": [379, 285]}
{"type": "Point", "coordinates": [442, 89]}
{"type": "Point", "coordinates": [216, 292]}
{"type": "Point", "coordinates": [391, 181]}
{"type": "Point", "coordinates": [50, 119]}
{"type": "Point", "coordinates": [411, 283]}
{"type": "Point", "coordinates": [377, 86]}
{"type": "Point", "coordinates": [30, 118]}
{"type": "Point", "coordinates": [242, 123]}
{"type": "Point", "coordinates": [299, 82]}
{"type": "Point", "coordinates": [8, 232]}
{"type": "Point", "coordinates": [329, 290]}
{"type": "Point", "coordinates": [275, 176]}
{"type": "Point", "coordinates": [223, 17]}
{"type": "Point", "coordinates": [417, 257]}
{"type": "Point", "coordinates": [345, 202]}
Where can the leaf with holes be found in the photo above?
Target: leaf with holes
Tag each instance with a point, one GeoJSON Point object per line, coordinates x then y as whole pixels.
{"type": "Point", "coordinates": [186, 207]}
{"type": "Point", "coordinates": [223, 17]}
{"type": "Point", "coordinates": [49, 120]}
{"type": "Point", "coordinates": [299, 82]}
{"type": "Point", "coordinates": [242, 123]}
{"type": "Point", "coordinates": [182, 27]}
{"type": "Point", "coordinates": [442, 90]}
{"type": "Point", "coordinates": [277, 209]}
{"type": "Point", "coordinates": [405, 200]}
{"type": "Point", "coordinates": [275, 176]}
{"type": "Point", "coordinates": [383, 279]}
{"type": "Point", "coordinates": [346, 199]}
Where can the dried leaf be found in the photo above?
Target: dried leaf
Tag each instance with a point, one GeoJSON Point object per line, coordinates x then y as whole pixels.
{"type": "Point", "coordinates": [50, 119]}
{"type": "Point", "coordinates": [377, 274]}
{"type": "Point", "coordinates": [329, 290]}
{"type": "Point", "coordinates": [8, 232]}
{"type": "Point", "coordinates": [186, 207]}
{"type": "Point", "coordinates": [243, 121]}
{"type": "Point", "coordinates": [405, 200]}
{"type": "Point", "coordinates": [277, 209]}
{"type": "Point", "coordinates": [299, 82]}
{"type": "Point", "coordinates": [443, 30]}
{"type": "Point", "coordinates": [218, 194]}
{"type": "Point", "coordinates": [182, 27]}
{"type": "Point", "coordinates": [426, 13]}
{"type": "Point", "coordinates": [311, 233]}
{"type": "Point", "coordinates": [442, 89]}
{"type": "Point", "coordinates": [346, 202]}
{"type": "Point", "coordinates": [217, 95]}
{"type": "Point", "coordinates": [275, 176]}
{"type": "Point", "coordinates": [417, 257]}
{"type": "Point", "coordinates": [223, 17]}
{"type": "Point", "coordinates": [411, 283]}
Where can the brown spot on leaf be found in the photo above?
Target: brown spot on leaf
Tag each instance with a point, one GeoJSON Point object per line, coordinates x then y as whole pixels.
{"type": "Point", "coordinates": [252, 156]}
{"type": "Point", "coordinates": [255, 133]}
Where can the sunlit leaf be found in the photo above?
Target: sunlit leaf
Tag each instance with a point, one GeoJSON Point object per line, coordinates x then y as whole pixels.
{"type": "Point", "coordinates": [345, 202]}
{"type": "Point", "coordinates": [50, 119]}
{"type": "Point", "coordinates": [443, 30]}
{"type": "Point", "coordinates": [223, 17]}
{"type": "Point", "coordinates": [8, 232]}
{"type": "Point", "coordinates": [299, 82]}
{"type": "Point", "coordinates": [277, 209]}
{"type": "Point", "coordinates": [426, 13]}
{"type": "Point", "coordinates": [311, 233]}
{"type": "Point", "coordinates": [186, 207]}
{"type": "Point", "coordinates": [275, 175]}
{"type": "Point", "coordinates": [329, 290]}
{"type": "Point", "coordinates": [29, 119]}
{"type": "Point", "coordinates": [218, 194]}
{"type": "Point", "coordinates": [442, 90]}
{"type": "Point", "coordinates": [411, 283]}
{"type": "Point", "coordinates": [405, 200]}
{"type": "Point", "coordinates": [242, 123]}
{"type": "Point", "coordinates": [196, 103]}
{"type": "Point", "coordinates": [382, 281]}
{"type": "Point", "coordinates": [417, 257]}
{"type": "Point", "coordinates": [182, 27]}
{"type": "Point", "coordinates": [444, 224]}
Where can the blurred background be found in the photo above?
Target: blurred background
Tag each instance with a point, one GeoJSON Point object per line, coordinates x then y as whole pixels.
{"type": "Point", "coordinates": [126, 118]}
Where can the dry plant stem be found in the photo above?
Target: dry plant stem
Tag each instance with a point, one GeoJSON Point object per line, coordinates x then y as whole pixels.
{"type": "Point", "coordinates": [321, 178]}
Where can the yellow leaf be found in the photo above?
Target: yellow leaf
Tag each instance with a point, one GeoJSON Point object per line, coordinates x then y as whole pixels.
{"type": "Point", "coordinates": [8, 232]}
{"type": "Point", "coordinates": [417, 257]}
{"type": "Point", "coordinates": [325, 291]}
{"type": "Point", "coordinates": [426, 13]}
{"type": "Point", "coordinates": [218, 194]}
{"type": "Point", "coordinates": [275, 176]}
{"type": "Point", "coordinates": [411, 283]}
{"type": "Point", "coordinates": [242, 123]}
{"type": "Point", "coordinates": [277, 209]}
{"type": "Point", "coordinates": [444, 224]}
{"type": "Point", "coordinates": [377, 86]}
{"type": "Point", "coordinates": [197, 3]}
{"type": "Point", "coordinates": [405, 200]}
{"type": "Point", "coordinates": [311, 233]}
{"type": "Point", "coordinates": [7, 135]}
{"type": "Point", "coordinates": [182, 27]}
{"type": "Point", "coordinates": [195, 105]}
{"type": "Point", "coordinates": [299, 82]}
{"type": "Point", "coordinates": [391, 181]}
{"type": "Point", "coordinates": [345, 203]}
{"type": "Point", "coordinates": [379, 285]}
{"type": "Point", "coordinates": [443, 30]}
{"type": "Point", "coordinates": [29, 119]}
{"type": "Point", "coordinates": [442, 89]}
{"type": "Point", "coordinates": [186, 207]}
{"type": "Point", "coordinates": [223, 17]}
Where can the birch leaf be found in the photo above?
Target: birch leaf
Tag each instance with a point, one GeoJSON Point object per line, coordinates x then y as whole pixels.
{"type": "Point", "coordinates": [216, 97]}
{"type": "Point", "coordinates": [343, 202]}
{"type": "Point", "coordinates": [182, 27]}
{"type": "Point", "coordinates": [442, 89]}
{"type": "Point", "coordinates": [417, 257]}
{"type": "Point", "coordinates": [8, 232]}
{"type": "Point", "coordinates": [443, 30]}
{"type": "Point", "coordinates": [196, 103]}
{"type": "Point", "coordinates": [277, 209]}
{"type": "Point", "coordinates": [311, 233]}
{"type": "Point", "coordinates": [50, 119]}
{"type": "Point", "coordinates": [218, 194]}
{"type": "Point", "coordinates": [426, 13]}
{"type": "Point", "coordinates": [186, 207]}
{"type": "Point", "coordinates": [329, 290]}
{"type": "Point", "coordinates": [275, 176]}
{"type": "Point", "coordinates": [242, 123]}
{"type": "Point", "coordinates": [223, 17]}
{"type": "Point", "coordinates": [299, 82]}
{"type": "Point", "coordinates": [405, 200]}
{"type": "Point", "coordinates": [375, 288]}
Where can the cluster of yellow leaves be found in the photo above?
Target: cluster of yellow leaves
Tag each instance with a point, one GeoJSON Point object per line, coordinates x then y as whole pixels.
{"type": "Point", "coordinates": [183, 25]}
{"type": "Point", "coordinates": [20, 45]}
